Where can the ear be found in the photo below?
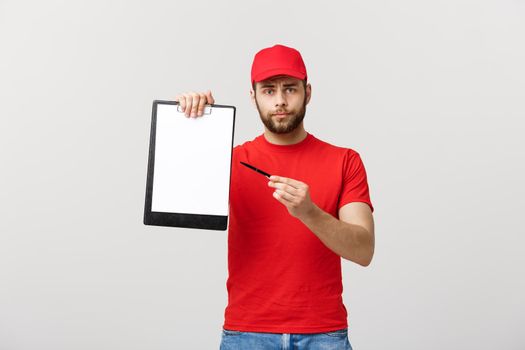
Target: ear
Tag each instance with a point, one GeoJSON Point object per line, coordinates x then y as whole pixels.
{"type": "Point", "coordinates": [308, 92]}
{"type": "Point", "coordinates": [252, 97]}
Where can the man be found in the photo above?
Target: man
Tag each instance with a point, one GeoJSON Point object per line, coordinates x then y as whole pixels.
{"type": "Point", "coordinates": [287, 235]}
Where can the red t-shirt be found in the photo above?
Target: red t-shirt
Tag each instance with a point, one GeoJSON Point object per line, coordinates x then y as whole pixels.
{"type": "Point", "coordinates": [282, 278]}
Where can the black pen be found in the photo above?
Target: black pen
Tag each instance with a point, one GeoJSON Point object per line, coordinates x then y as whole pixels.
{"type": "Point", "coordinates": [257, 170]}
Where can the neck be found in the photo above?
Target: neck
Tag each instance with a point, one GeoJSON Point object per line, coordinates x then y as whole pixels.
{"type": "Point", "coordinates": [290, 138]}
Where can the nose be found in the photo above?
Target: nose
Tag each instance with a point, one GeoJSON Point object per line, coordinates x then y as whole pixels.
{"type": "Point", "coordinates": [280, 99]}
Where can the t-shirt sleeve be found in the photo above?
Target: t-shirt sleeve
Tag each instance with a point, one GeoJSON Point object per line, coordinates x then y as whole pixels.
{"type": "Point", "coordinates": [355, 184]}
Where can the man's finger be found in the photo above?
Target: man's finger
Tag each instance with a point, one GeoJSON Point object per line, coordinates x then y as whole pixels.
{"type": "Point", "coordinates": [189, 104]}
{"type": "Point", "coordinates": [209, 97]}
{"type": "Point", "coordinates": [194, 104]}
{"type": "Point", "coordinates": [202, 103]}
{"type": "Point", "coordinates": [285, 195]}
{"type": "Point", "coordinates": [182, 102]}
{"type": "Point", "coordinates": [284, 187]}
{"type": "Point", "coordinates": [280, 198]}
{"type": "Point", "coordinates": [288, 181]}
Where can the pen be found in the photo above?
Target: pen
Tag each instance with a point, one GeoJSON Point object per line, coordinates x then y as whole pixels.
{"type": "Point", "coordinates": [255, 169]}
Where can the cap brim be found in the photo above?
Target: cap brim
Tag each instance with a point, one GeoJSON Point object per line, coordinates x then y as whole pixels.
{"type": "Point", "coordinates": [278, 71]}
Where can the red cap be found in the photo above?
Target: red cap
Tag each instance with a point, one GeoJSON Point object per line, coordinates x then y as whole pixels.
{"type": "Point", "coordinates": [278, 60]}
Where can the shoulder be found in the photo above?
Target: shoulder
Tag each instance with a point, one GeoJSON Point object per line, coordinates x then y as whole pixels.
{"type": "Point", "coordinates": [330, 148]}
{"type": "Point", "coordinates": [243, 148]}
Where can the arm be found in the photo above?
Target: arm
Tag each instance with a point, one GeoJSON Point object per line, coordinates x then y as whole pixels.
{"type": "Point", "coordinates": [351, 237]}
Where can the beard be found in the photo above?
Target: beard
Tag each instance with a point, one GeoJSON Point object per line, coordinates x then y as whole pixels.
{"type": "Point", "coordinates": [284, 125]}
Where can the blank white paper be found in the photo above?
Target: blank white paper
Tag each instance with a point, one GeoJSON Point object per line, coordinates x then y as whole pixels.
{"type": "Point", "coordinates": [192, 161]}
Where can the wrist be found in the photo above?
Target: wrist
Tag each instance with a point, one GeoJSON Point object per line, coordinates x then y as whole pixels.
{"type": "Point", "coordinates": [311, 215]}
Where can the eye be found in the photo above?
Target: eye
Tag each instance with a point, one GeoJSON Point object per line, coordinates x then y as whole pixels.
{"type": "Point", "coordinates": [290, 90]}
{"type": "Point", "coordinates": [268, 92]}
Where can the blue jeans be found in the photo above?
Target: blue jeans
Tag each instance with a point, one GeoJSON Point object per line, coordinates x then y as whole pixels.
{"type": "Point", "coordinates": [235, 340]}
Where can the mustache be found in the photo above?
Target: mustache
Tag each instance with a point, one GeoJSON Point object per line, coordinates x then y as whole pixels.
{"type": "Point", "coordinates": [280, 111]}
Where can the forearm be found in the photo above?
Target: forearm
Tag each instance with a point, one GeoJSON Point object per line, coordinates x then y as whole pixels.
{"type": "Point", "coordinates": [352, 242]}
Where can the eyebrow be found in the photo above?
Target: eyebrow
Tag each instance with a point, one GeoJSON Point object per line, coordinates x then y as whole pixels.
{"type": "Point", "coordinates": [273, 85]}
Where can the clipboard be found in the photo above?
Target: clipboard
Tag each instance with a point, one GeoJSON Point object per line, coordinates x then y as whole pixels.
{"type": "Point", "coordinates": [189, 167]}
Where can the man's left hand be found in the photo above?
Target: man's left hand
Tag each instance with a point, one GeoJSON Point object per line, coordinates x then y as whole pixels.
{"type": "Point", "coordinates": [294, 195]}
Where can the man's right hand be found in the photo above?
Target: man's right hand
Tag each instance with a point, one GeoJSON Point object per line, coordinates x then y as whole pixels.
{"type": "Point", "coordinates": [192, 103]}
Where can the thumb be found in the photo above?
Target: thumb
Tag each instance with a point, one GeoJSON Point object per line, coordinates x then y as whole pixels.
{"type": "Point", "coordinates": [209, 97]}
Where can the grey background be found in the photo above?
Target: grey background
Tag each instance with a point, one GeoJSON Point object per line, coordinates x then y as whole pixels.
{"type": "Point", "coordinates": [430, 93]}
